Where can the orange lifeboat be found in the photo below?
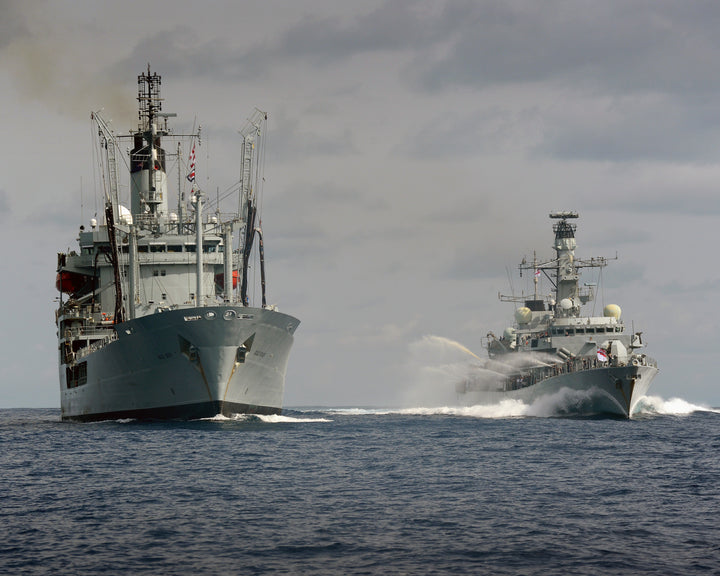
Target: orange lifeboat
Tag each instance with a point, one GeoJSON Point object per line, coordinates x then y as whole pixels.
{"type": "Point", "coordinates": [220, 279]}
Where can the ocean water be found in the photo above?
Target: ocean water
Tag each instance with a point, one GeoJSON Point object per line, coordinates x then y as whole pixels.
{"type": "Point", "coordinates": [486, 490]}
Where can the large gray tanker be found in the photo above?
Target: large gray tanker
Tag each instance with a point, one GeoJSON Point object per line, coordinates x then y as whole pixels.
{"type": "Point", "coordinates": [154, 319]}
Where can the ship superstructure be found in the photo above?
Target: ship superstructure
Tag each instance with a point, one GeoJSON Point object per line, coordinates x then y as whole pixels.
{"type": "Point", "coordinates": [553, 346]}
{"type": "Point", "coordinates": [154, 319]}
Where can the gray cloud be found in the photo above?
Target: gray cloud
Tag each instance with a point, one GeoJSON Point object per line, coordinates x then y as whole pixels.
{"type": "Point", "coordinates": [643, 46]}
{"type": "Point", "coordinates": [12, 23]}
{"type": "Point", "coordinates": [628, 129]}
{"type": "Point", "coordinates": [393, 26]}
{"type": "Point", "coordinates": [292, 137]}
{"type": "Point", "coordinates": [496, 129]}
{"type": "Point", "coordinates": [313, 40]}
{"type": "Point", "coordinates": [180, 52]}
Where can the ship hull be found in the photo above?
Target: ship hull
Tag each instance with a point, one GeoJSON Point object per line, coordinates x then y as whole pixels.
{"type": "Point", "coordinates": [609, 390]}
{"type": "Point", "coordinates": [185, 364]}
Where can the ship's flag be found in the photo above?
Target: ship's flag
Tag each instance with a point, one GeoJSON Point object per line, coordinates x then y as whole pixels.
{"type": "Point", "coordinates": [537, 273]}
{"type": "Point", "coordinates": [191, 174]}
{"type": "Point", "coordinates": [602, 355]}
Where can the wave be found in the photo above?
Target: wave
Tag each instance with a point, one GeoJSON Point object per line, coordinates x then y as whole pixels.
{"type": "Point", "coordinates": [508, 408]}
{"type": "Point", "coordinates": [274, 418]}
{"type": "Point", "coordinates": [268, 418]}
{"type": "Point", "coordinates": [356, 411]}
{"type": "Point", "coordinates": [565, 402]}
{"type": "Point", "coordinates": [504, 409]}
{"type": "Point", "coordinates": [671, 407]}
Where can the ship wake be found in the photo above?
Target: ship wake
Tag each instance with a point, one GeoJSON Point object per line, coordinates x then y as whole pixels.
{"type": "Point", "coordinates": [564, 402]}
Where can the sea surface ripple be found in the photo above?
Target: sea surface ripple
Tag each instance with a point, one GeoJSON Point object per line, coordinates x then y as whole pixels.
{"type": "Point", "coordinates": [363, 491]}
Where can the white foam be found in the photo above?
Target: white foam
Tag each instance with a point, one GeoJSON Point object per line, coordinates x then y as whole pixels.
{"type": "Point", "coordinates": [504, 409]}
{"type": "Point", "coordinates": [563, 402]}
{"type": "Point", "coordinates": [221, 418]}
{"type": "Point", "coordinates": [672, 407]}
{"type": "Point", "coordinates": [275, 418]}
{"type": "Point", "coordinates": [270, 418]}
{"type": "Point", "coordinates": [358, 411]}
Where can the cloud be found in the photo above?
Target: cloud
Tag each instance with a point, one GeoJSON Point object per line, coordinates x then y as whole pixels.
{"type": "Point", "coordinates": [632, 128]}
{"type": "Point", "coordinates": [12, 23]}
{"type": "Point", "coordinates": [292, 138]}
{"type": "Point", "coordinates": [393, 26]}
{"type": "Point", "coordinates": [643, 46]}
{"type": "Point", "coordinates": [314, 40]}
{"type": "Point", "coordinates": [492, 129]}
{"type": "Point", "coordinates": [180, 52]}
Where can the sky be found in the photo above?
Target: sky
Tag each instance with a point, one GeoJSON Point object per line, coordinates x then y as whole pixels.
{"type": "Point", "coordinates": [414, 152]}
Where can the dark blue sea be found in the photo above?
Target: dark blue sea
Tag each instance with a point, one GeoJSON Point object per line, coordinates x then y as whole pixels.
{"type": "Point", "coordinates": [363, 491]}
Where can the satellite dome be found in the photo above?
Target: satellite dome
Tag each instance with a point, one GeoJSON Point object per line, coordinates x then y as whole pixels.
{"type": "Point", "coordinates": [125, 216]}
{"type": "Point", "coordinates": [566, 304]}
{"type": "Point", "coordinates": [523, 315]}
{"type": "Point", "coordinates": [612, 311]}
{"type": "Point", "coordinates": [509, 333]}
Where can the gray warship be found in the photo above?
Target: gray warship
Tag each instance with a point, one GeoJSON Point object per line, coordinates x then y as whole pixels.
{"type": "Point", "coordinates": [554, 349]}
{"type": "Point", "coordinates": [154, 318]}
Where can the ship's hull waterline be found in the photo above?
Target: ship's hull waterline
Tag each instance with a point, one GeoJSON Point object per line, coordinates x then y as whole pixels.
{"type": "Point", "coordinates": [185, 364]}
{"type": "Point", "coordinates": [608, 390]}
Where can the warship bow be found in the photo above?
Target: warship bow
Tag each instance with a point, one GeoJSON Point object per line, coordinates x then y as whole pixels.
{"type": "Point", "coordinates": [554, 349]}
